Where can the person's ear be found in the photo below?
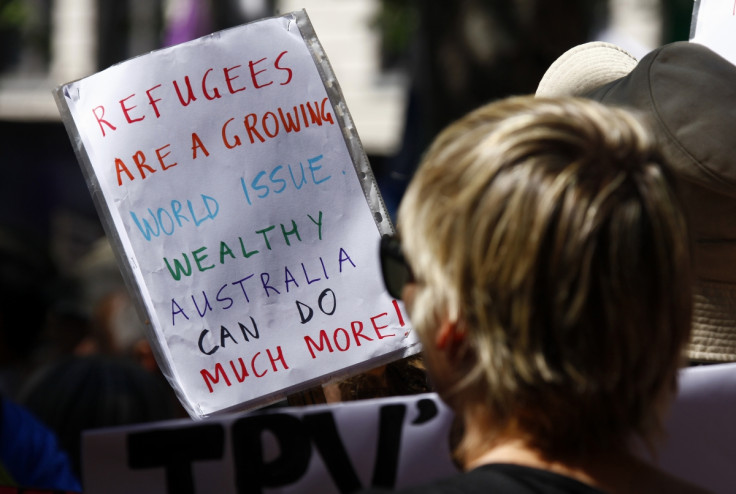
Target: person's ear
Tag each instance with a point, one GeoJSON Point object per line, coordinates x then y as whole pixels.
{"type": "Point", "coordinates": [449, 335]}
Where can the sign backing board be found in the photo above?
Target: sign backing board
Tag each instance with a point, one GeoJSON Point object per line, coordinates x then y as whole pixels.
{"type": "Point", "coordinates": [244, 214]}
{"type": "Point", "coordinates": [714, 25]}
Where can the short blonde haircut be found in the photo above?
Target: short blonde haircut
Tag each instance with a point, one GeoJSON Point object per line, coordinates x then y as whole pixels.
{"type": "Point", "coordinates": [552, 232]}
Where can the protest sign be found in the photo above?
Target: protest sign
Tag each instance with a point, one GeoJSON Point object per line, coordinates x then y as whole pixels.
{"type": "Point", "coordinates": [244, 213]}
{"type": "Point", "coordinates": [714, 25]}
{"type": "Point", "coordinates": [390, 442]}
{"type": "Point", "coordinates": [700, 440]}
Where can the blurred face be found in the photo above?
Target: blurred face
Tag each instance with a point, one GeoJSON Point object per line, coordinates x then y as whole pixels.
{"type": "Point", "coordinates": [437, 350]}
{"type": "Point", "coordinates": [437, 334]}
{"type": "Point", "coordinates": [407, 296]}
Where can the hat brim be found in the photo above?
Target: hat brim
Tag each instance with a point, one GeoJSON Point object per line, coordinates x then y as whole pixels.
{"type": "Point", "coordinates": [584, 68]}
{"type": "Point", "coordinates": [714, 316]}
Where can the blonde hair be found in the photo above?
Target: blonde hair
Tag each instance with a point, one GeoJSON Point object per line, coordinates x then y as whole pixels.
{"type": "Point", "coordinates": [551, 231]}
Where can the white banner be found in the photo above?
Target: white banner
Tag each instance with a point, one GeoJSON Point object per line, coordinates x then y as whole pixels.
{"type": "Point", "coordinates": [243, 210]}
{"type": "Point", "coordinates": [391, 442]}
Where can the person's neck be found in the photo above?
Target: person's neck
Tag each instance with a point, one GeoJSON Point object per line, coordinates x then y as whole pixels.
{"type": "Point", "coordinates": [611, 471]}
{"type": "Point", "coordinates": [518, 452]}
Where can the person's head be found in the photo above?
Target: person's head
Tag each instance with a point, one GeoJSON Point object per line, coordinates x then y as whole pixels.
{"type": "Point", "coordinates": [551, 265]}
{"type": "Point", "coordinates": [75, 394]}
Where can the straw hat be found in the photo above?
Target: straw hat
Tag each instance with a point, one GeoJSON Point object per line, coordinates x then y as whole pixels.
{"type": "Point", "coordinates": [689, 94]}
{"type": "Point", "coordinates": [584, 68]}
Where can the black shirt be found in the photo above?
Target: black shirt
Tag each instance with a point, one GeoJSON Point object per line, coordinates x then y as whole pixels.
{"type": "Point", "coordinates": [501, 478]}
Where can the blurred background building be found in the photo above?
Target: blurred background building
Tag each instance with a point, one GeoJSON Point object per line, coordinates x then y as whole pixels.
{"type": "Point", "coordinates": [433, 58]}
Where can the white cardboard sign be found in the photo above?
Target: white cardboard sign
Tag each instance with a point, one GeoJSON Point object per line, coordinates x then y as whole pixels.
{"type": "Point", "coordinates": [714, 25]}
{"type": "Point", "coordinates": [243, 211]}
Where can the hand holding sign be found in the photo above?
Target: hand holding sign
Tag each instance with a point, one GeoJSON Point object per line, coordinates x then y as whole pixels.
{"type": "Point", "coordinates": [228, 173]}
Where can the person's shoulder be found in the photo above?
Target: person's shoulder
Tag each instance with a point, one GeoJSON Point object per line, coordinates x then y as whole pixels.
{"type": "Point", "coordinates": [30, 453]}
{"type": "Point", "coordinates": [503, 479]}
